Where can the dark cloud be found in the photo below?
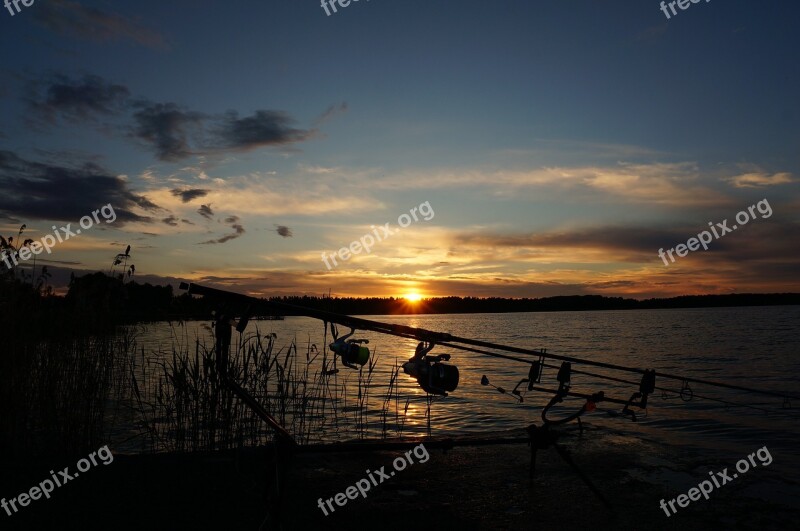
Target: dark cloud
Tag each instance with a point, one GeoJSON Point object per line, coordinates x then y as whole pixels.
{"type": "Point", "coordinates": [190, 194]}
{"type": "Point", "coordinates": [284, 231]}
{"type": "Point", "coordinates": [762, 251]}
{"type": "Point", "coordinates": [34, 190]}
{"type": "Point", "coordinates": [173, 132]}
{"type": "Point", "coordinates": [330, 112]}
{"type": "Point", "coordinates": [172, 221]}
{"type": "Point", "coordinates": [76, 100]}
{"type": "Point", "coordinates": [75, 20]}
{"type": "Point", "coordinates": [206, 212]}
{"type": "Point", "coordinates": [264, 128]}
{"type": "Point", "coordinates": [176, 133]}
{"type": "Point", "coordinates": [607, 237]}
{"type": "Point", "coordinates": [235, 225]}
{"type": "Point", "coordinates": [167, 128]}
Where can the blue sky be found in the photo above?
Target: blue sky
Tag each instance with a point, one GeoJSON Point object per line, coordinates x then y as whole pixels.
{"type": "Point", "coordinates": [559, 144]}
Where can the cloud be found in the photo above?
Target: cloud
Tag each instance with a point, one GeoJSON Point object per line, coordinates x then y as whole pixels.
{"type": "Point", "coordinates": [666, 184]}
{"type": "Point", "coordinates": [291, 193]}
{"type": "Point", "coordinates": [77, 100]}
{"type": "Point", "coordinates": [172, 131]}
{"type": "Point", "coordinates": [610, 239]}
{"type": "Point", "coordinates": [190, 194]}
{"type": "Point", "coordinates": [172, 221]}
{"type": "Point", "coordinates": [75, 20]}
{"type": "Point", "coordinates": [330, 112]}
{"type": "Point", "coordinates": [175, 133]}
{"type": "Point", "coordinates": [264, 128]}
{"type": "Point", "coordinates": [284, 231]}
{"type": "Point", "coordinates": [607, 260]}
{"type": "Point", "coordinates": [760, 179]}
{"type": "Point", "coordinates": [206, 212]}
{"type": "Point", "coordinates": [235, 225]}
{"type": "Point", "coordinates": [34, 190]}
{"type": "Point", "coordinates": [260, 193]}
{"type": "Point", "coordinates": [609, 248]}
{"type": "Point", "coordinates": [167, 128]}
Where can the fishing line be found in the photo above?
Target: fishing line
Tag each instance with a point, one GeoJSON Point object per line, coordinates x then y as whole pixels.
{"type": "Point", "coordinates": [620, 380]}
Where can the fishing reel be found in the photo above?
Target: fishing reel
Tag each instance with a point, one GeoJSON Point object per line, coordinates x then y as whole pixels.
{"type": "Point", "coordinates": [352, 353]}
{"type": "Point", "coordinates": [433, 376]}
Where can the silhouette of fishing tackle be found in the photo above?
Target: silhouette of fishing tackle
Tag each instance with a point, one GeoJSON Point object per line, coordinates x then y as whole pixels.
{"type": "Point", "coordinates": [352, 353]}
{"type": "Point", "coordinates": [434, 377]}
{"type": "Point", "coordinates": [518, 395]}
{"type": "Point", "coordinates": [445, 378]}
{"type": "Point", "coordinates": [534, 376]}
{"type": "Point", "coordinates": [438, 378]}
{"type": "Point", "coordinates": [646, 387]}
{"type": "Point", "coordinates": [544, 436]}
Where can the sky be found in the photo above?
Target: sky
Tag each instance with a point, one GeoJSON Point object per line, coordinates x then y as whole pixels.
{"type": "Point", "coordinates": [529, 148]}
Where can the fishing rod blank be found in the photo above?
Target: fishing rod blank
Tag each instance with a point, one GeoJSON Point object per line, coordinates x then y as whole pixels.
{"type": "Point", "coordinates": [450, 340]}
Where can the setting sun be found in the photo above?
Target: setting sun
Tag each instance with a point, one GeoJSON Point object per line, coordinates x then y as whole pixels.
{"type": "Point", "coordinates": [412, 297]}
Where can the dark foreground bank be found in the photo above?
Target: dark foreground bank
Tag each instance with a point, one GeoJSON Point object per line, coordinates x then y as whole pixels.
{"type": "Point", "coordinates": [463, 488]}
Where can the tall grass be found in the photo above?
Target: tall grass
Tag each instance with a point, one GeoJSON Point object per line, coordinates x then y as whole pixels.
{"type": "Point", "coordinates": [58, 393]}
{"type": "Point", "coordinates": [70, 394]}
{"type": "Point", "coordinates": [186, 406]}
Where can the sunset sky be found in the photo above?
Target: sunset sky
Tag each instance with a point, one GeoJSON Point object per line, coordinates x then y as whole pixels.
{"type": "Point", "coordinates": [560, 144]}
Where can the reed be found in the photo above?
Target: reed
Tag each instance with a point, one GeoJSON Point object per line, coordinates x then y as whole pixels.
{"type": "Point", "coordinates": [186, 407]}
{"type": "Point", "coordinates": [58, 394]}
{"type": "Point", "coordinates": [68, 388]}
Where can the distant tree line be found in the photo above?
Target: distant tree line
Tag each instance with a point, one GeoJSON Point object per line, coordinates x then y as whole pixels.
{"type": "Point", "coordinates": [395, 306]}
{"type": "Point", "coordinates": [98, 302]}
{"type": "Point", "coordinates": [131, 302]}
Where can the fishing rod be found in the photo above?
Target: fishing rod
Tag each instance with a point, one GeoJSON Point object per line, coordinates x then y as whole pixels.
{"type": "Point", "coordinates": [449, 340]}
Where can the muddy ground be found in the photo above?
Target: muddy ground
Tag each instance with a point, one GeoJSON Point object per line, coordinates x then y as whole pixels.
{"type": "Point", "coordinates": [464, 488]}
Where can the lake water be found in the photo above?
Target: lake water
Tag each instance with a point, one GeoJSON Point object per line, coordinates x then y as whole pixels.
{"type": "Point", "coordinates": [753, 346]}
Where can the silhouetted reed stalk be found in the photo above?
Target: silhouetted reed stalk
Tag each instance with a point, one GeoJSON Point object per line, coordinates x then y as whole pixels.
{"type": "Point", "coordinates": [187, 407]}
{"type": "Point", "coordinates": [59, 394]}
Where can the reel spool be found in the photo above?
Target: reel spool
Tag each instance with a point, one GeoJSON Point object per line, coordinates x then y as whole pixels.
{"type": "Point", "coordinates": [433, 377]}
{"type": "Point", "coordinates": [353, 354]}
